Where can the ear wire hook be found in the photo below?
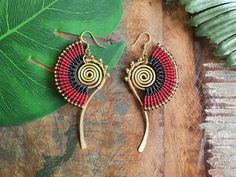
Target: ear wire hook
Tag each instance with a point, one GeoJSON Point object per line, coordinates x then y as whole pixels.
{"type": "Point", "coordinates": [87, 51]}
{"type": "Point", "coordinates": [144, 54]}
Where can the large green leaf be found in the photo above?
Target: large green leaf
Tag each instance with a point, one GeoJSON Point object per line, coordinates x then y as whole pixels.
{"type": "Point", "coordinates": [27, 28]}
{"type": "Point", "coordinates": [216, 20]}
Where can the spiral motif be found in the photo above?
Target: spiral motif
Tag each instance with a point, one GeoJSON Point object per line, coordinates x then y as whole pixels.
{"type": "Point", "coordinates": [90, 74]}
{"type": "Point", "coordinates": [143, 76]}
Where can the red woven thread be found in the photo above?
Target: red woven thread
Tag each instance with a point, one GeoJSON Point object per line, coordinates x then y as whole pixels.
{"type": "Point", "coordinates": [62, 77]}
{"type": "Point", "coordinates": [170, 80]}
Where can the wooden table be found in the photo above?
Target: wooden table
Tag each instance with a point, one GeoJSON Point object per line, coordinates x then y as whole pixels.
{"type": "Point", "coordinates": [114, 124]}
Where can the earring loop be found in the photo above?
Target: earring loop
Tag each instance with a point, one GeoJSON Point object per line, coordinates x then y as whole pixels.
{"type": "Point", "coordinates": [156, 77]}
{"type": "Point", "coordinates": [144, 53]}
{"type": "Point", "coordinates": [87, 51]}
{"type": "Point", "coordinates": [94, 39]}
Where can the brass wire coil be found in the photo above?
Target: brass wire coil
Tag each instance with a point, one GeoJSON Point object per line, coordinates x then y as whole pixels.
{"type": "Point", "coordinates": [143, 76]}
{"type": "Point", "coordinates": [90, 74]}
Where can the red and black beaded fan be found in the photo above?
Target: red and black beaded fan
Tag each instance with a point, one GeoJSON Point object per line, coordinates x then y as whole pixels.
{"type": "Point", "coordinates": [165, 82]}
{"type": "Point", "coordinates": [157, 76]}
{"type": "Point", "coordinates": [76, 72]}
{"type": "Point", "coordinates": [66, 75]}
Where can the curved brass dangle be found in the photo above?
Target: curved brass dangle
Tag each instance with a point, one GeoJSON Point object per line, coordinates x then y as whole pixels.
{"type": "Point", "coordinates": [140, 65]}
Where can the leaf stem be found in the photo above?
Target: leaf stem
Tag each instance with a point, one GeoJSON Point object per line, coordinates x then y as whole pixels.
{"type": "Point", "coordinates": [40, 65]}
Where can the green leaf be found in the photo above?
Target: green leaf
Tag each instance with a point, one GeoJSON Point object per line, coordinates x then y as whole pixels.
{"type": "Point", "coordinates": [216, 20]}
{"type": "Point", "coordinates": [223, 34]}
{"type": "Point", "coordinates": [27, 28]}
{"type": "Point", "coordinates": [194, 6]}
{"type": "Point", "coordinates": [213, 25]}
{"type": "Point", "coordinates": [226, 47]}
{"type": "Point", "coordinates": [211, 13]}
{"type": "Point", "coordinates": [231, 59]}
{"type": "Point", "coordinates": [170, 1]}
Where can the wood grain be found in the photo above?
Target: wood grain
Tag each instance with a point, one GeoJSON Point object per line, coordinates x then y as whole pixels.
{"type": "Point", "coordinates": [183, 114]}
{"type": "Point", "coordinates": [113, 123]}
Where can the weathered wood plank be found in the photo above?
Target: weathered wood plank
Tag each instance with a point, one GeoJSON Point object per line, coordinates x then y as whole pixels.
{"type": "Point", "coordinates": [183, 153]}
{"type": "Point", "coordinates": [219, 85]}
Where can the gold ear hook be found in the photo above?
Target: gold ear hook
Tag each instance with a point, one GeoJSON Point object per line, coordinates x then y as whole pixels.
{"type": "Point", "coordinates": [145, 45]}
{"type": "Point", "coordinates": [87, 51]}
{"type": "Point", "coordinates": [94, 39]}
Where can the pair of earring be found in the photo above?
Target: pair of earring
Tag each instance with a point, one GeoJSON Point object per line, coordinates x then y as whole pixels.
{"type": "Point", "coordinates": [79, 75]}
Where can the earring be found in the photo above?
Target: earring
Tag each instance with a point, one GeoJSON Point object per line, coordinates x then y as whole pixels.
{"type": "Point", "coordinates": [78, 76]}
{"type": "Point", "coordinates": [156, 77]}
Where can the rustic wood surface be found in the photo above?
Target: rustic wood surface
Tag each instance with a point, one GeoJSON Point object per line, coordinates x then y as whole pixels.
{"type": "Point", "coordinates": [219, 88]}
{"type": "Point", "coordinates": [114, 123]}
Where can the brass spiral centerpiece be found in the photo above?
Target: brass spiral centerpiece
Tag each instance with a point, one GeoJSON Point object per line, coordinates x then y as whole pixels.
{"type": "Point", "coordinates": [140, 75]}
{"type": "Point", "coordinates": [143, 76]}
{"type": "Point", "coordinates": [90, 74]}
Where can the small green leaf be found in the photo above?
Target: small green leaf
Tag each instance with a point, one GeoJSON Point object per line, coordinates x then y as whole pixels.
{"type": "Point", "coordinates": [223, 34]}
{"type": "Point", "coordinates": [27, 28]}
{"type": "Point", "coordinates": [231, 59]}
{"type": "Point", "coordinates": [216, 20]}
{"type": "Point", "coordinates": [211, 13]}
{"type": "Point", "coordinates": [194, 6]}
{"type": "Point", "coordinates": [170, 1]}
{"type": "Point", "coordinates": [226, 47]}
{"type": "Point", "coordinates": [214, 24]}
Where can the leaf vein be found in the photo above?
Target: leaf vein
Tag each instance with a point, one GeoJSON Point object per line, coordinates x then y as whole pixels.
{"type": "Point", "coordinates": [7, 18]}
{"type": "Point", "coordinates": [1, 96]}
{"type": "Point", "coordinates": [33, 40]}
{"type": "Point", "coordinates": [21, 70]}
{"type": "Point", "coordinates": [76, 13]}
{"type": "Point", "coordinates": [26, 21]}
